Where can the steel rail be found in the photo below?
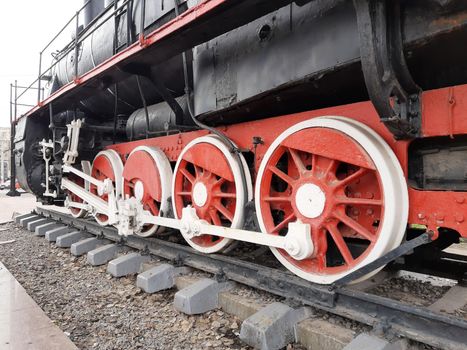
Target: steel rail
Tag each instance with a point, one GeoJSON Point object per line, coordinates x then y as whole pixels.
{"type": "Point", "coordinates": [391, 316]}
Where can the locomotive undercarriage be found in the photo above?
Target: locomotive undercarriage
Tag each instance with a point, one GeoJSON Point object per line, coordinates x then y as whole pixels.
{"type": "Point", "coordinates": [330, 195]}
{"type": "Point", "coordinates": [328, 190]}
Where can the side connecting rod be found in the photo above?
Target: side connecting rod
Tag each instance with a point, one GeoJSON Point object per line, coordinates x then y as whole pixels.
{"type": "Point", "coordinates": [95, 203]}
{"type": "Point", "coordinates": [99, 184]}
{"type": "Point", "coordinates": [126, 214]}
{"type": "Point", "coordinates": [297, 242]}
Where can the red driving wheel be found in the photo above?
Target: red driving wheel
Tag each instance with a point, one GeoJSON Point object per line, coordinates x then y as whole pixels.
{"type": "Point", "coordinates": [147, 176]}
{"type": "Point", "coordinates": [107, 165]}
{"type": "Point", "coordinates": [324, 177]}
{"type": "Point", "coordinates": [72, 197]}
{"type": "Point", "coordinates": [208, 178]}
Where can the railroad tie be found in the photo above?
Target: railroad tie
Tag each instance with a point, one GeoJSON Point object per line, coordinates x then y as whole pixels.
{"type": "Point", "coordinates": [159, 277]}
{"type": "Point", "coordinates": [273, 327]}
{"type": "Point", "coordinates": [200, 297]}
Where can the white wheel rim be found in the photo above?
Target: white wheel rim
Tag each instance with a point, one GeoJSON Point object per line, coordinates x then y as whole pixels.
{"type": "Point", "coordinates": [240, 189]}
{"type": "Point", "coordinates": [394, 188]}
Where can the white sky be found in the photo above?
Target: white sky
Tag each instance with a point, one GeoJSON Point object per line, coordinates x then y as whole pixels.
{"type": "Point", "coordinates": [26, 26]}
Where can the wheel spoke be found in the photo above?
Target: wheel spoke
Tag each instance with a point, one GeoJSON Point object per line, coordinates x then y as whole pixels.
{"type": "Point", "coordinates": [359, 201]}
{"type": "Point", "coordinates": [353, 177]}
{"type": "Point", "coordinates": [314, 165]}
{"type": "Point", "coordinates": [283, 223]}
{"type": "Point", "coordinates": [281, 174]}
{"type": "Point", "coordinates": [216, 220]}
{"type": "Point", "coordinates": [220, 182]}
{"type": "Point", "coordinates": [297, 160]}
{"type": "Point", "coordinates": [224, 195]}
{"type": "Point", "coordinates": [321, 261]}
{"type": "Point", "coordinates": [354, 225]}
{"type": "Point", "coordinates": [187, 175]}
{"type": "Point", "coordinates": [152, 205]}
{"type": "Point", "coordinates": [224, 211]}
{"type": "Point", "coordinates": [183, 193]}
{"type": "Point", "coordinates": [341, 244]}
{"type": "Point", "coordinates": [206, 173]}
{"type": "Point", "coordinates": [277, 199]}
{"type": "Point", "coordinates": [331, 169]}
{"type": "Point", "coordinates": [319, 237]}
{"type": "Point", "coordinates": [198, 171]}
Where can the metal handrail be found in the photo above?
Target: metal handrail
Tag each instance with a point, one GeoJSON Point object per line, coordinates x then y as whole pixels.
{"type": "Point", "coordinates": [75, 16]}
{"type": "Point", "coordinates": [66, 25]}
{"type": "Point", "coordinates": [80, 36]}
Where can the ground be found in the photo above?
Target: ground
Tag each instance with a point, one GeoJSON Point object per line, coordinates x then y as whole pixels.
{"type": "Point", "coordinates": [9, 205]}
{"type": "Point", "coordinates": [97, 311]}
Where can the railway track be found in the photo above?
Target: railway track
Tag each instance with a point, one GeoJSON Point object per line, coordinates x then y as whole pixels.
{"type": "Point", "coordinates": [391, 316]}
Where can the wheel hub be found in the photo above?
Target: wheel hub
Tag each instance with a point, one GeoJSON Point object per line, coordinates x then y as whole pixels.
{"type": "Point", "coordinates": [200, 194]}
{"type": "Point", "coordinates": [310, 200]}
{"type": "Point", "coordinates": [139, 190]}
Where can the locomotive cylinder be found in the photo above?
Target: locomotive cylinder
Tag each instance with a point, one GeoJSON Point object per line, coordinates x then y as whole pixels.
{"type": "Point", "coordinates": [161, 117]}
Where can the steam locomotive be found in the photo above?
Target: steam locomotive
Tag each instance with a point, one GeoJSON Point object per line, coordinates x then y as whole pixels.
{"type": "Point", "coordinates": [329, 130]}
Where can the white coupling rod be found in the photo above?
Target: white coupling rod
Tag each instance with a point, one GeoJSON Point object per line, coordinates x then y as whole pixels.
{"type": "Point", "coordinates": [297, 242]}
{"type": "Point", "coordinates": [99, 184]}
{"type": "Point", "coordinates": [94, 201]}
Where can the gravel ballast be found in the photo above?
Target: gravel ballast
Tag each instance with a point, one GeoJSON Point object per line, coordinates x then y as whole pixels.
{"type": "Point", "coordinates": [97, 311]}
{"type": "Point", "coordinates": [100, 312]}
{"type": "Point", "coordinates": [410, 291]}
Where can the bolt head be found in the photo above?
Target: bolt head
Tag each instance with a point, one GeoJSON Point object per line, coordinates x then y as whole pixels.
{"type": "Point", "coordinates": [292, 248]}
{"type": "Point", "coordinates": [185, 228]}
